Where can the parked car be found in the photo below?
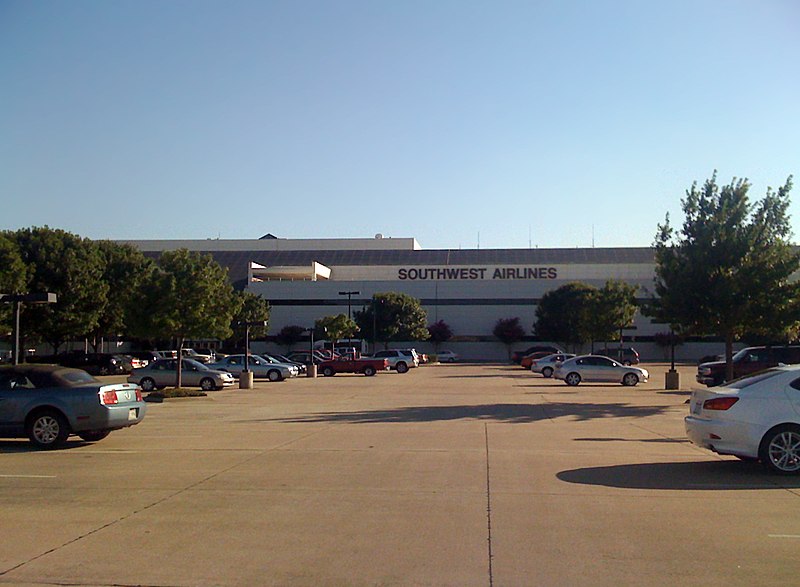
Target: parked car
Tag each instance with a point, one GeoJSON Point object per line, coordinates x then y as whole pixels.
{"type": "Point", "coordinates": [446, 356]}
{"type": "Point", "coordinates": [547, 364]}
{"type": "Point", "coordinates": [145, 357]}
{"type": "Point", "coordinates": [398, 360]}
{"type": "Point", "coordinates": [190, 353]}
{"type": "Point", "coordinates": [748, 360]}
{"type": "Point", "coordinates": [754, 417]}
{"type": "Point", "coordinates": [160, 374]}
{"type": "Point", "coordinates": [92, 363]}
{"type": "Point", "coordinates": [260, 367]}
{"type": "Point", "coordinates": [301, 367]}
{"type": "Point", "coordinates": [414, 355]}
{"type": "Point", "coordinates": [305, 357]}
{"type": "Point", "coordinates": [528, 360]}
{"type": "Point", "coordinates": [47, 403]}
{"type": "Point", "coordinates": [517, 356]}
{"type": "Point", "coordinates": [624, 355]}
{"type": "Point", "coordinates": [598, 368]}
{"type": "Point", "coordinates": [366, 365]}
{"type": "Point", "coordinates": [209, 355]}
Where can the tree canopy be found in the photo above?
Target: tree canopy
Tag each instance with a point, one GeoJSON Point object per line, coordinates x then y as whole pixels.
{"type": "Point", "coordinates": [508, 331]}
{"type": "Point", "coordinates": [335, 328]}
{"type": "Point", "coordinates": [439, 332]}
{"type": "Point", "coordinates": [728, 270]}
{"type": "Point", "coordinates": [563, 314]}
{"type": "Point", "coordinates": [392, 316]}
{"type": "Point", "coordinates": [187, 296]}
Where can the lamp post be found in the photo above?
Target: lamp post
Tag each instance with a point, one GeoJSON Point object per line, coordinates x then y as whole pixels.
{"type": "Point", "coordinates": [246, 377]}
{"type": "Point", "coordinates": [349, 295]}
{"type": "Point", "coordinates": [18, 300]}
{"type": "Point", "coordinates": [311, 370]}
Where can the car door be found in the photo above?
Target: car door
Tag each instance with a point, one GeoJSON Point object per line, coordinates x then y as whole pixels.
{"type": "Point", "coordinates": [14, 393]}
{"type": "Point", "coordinates": [607, 369]}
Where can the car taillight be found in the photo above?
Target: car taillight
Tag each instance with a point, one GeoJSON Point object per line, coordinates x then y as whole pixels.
{"type": "Point", "coordinates": [139, 394]}
{"type": "Point", "coordinates": [108, 398]}
{"type": "Point", "coordinates": [719, 403]}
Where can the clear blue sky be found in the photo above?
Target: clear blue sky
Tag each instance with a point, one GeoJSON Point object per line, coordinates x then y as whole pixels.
{"type": "Point", "coordinates": [504, 123]}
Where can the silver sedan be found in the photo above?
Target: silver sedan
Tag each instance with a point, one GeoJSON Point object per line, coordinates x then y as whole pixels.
{"type": "Point", "coordinates": [260, 367]}
{"type": "Point", "coordinates": [598, 368]}
{"type": "Point", "coordinates": [161, 374]}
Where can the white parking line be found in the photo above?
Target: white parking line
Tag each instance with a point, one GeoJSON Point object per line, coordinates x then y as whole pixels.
{"type": "Point", "coordinates": [783, 535]}
{"type": "Point", "coordinates": [28, 476]}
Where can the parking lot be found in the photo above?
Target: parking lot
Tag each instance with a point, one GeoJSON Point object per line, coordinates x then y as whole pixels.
{"type": "Point", "coordinates": [447, 475]}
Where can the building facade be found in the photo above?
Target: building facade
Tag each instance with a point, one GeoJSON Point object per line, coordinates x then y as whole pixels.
{"type": "Point", "coordinates": [469, 289]}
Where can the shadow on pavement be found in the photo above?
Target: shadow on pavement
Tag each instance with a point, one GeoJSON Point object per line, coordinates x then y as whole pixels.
{"type": "Point", "coordinates": [515, 413]}
{"type": "Point", "coordinates": [714, 475]}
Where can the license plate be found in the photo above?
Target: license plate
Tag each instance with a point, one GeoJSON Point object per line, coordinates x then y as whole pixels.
{"type": "Point", "coordinates": [132, 414]}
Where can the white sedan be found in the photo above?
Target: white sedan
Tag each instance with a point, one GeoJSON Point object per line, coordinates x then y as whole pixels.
{"type": "Point", "coordinates": [598, 368]}
{"type": "Point", "coordinates": [756, 417]}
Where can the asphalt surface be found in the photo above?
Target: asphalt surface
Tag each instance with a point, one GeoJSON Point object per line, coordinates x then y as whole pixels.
{"type": "Point", "coordinates": [456, 475]}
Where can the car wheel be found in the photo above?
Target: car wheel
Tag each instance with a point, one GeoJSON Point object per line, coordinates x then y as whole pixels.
{"type": "Point", "coordinates": [147, 384]}
{"type": "Point", "coordinates": [103, 370]}
{"type": "Point", "coordinates": [207, 384]}
{"type": "Point", "coordinates": [780, 450]}
{"type": "Point", "coordinates": [48, 429]}
{"type": "Point", "coordinates": [630, 379]}
{"type": "Point", "coordinates": [370, 371]}
{"type": "Point", "coordinates": [328, 371]}
{"type": "Point", "coordinates": [547, 372]}
{"type": "Point", "coordinates": [94, 436]}
{"type": "Point", "coordinates": [572, 379]}
{"type": "Point", "coordinates": [274, 375]}
{"type": "Point", "coordinates": [401, 367]}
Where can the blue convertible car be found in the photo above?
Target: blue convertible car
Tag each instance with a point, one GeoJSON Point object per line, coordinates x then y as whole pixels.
{"type": "Point", "coordinates": [47, 403]}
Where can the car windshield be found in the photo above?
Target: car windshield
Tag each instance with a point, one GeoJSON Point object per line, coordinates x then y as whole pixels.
{"type": "Point", "coordinates": [753, 378]}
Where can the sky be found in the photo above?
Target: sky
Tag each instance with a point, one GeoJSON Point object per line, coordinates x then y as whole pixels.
{"type": "Point", "coordinates": [461, 123]}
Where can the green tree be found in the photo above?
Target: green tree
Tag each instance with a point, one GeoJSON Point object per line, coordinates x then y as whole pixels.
{"type": "Point", "coordinates": [439, 332]}
{"type": "Point", "coordinates": [187, 296]}
{"type": "Point", "coordinates": [250, 308]}
{"type": "Point", "coordinates": [335, 328]}
{"type": "Point", "coordinates": [71, 267]}
{"type": "Point", "coordinates": [564, 314]}
{"type": "Point", "coordinates": [125, 270]}
{"type": "Point", "coordinates": [729, 269]}
{"type": "Point", "coordinates": [508, 331]}
{"type": "Point", "coordinates": [13, 277]}
{"type": "Point", "coordinates": [290, 335]}
{"type": "Point", "coordinates": [613, 308]}
{"type": "Point", "coordinates": [391, 317]}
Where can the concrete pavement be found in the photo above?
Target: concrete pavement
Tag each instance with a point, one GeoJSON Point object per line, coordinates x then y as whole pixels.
{"type": "Point", "coordinates": [446, 475]}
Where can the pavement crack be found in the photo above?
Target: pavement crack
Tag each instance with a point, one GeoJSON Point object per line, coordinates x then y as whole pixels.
{"type": "Point", "coordinates": [488, 506]}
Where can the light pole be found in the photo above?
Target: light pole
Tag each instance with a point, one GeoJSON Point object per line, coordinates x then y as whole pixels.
{"type": "Point", "coordinates": [246, 378]}
{"type": "Point", "coordinates": [18, 300]}
{"type": "Point", "coordinates": [311, 370]}
{"type": "Point", "coordinates": [349, 294]}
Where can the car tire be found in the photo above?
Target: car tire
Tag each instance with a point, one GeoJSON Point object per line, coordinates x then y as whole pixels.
{"type": "Point", "coordinates": [630, 379]}
{"type": "Point", "coordinates": [207, 384]}
{"type": "Point", "coordinates": [147, 384]}
{"type": "Point", "coordinates": [370, 371]}
{"type": "Point", "coordinates": [94, 436]}
{"type": "Point", "coordinates": [780, 450]}
{"type": "Point", "coordinates": [48, 429]}
{"type": "Point", "coordinates": [547, 372]}
{"type": "Point", "coordinates": [328, 371]}
{"type": "Point", "coordinates": [572, 379]}
{"type": "Point", "coordinates": [103, 370]}
{"type": "Point", "coordinates": [401, 367]}
{"type": "Point", "coordinates": [274, 375]}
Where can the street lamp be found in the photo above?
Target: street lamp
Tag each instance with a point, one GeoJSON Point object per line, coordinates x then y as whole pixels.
{"type": "Point", "coordinates": [349, 294]}
{"type": "Point", "coordinates": [246, 378]}
{"type": "Point", "coordinates": [311, 370]}
{"type": "Point", "coordinates": [18, 300]}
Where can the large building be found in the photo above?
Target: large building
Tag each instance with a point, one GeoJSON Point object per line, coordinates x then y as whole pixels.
{"type": "Point", "coordinates": [470, 289]}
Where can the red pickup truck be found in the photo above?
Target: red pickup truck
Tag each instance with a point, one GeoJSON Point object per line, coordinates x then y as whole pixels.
{"type": "Point", "coordinates": [366, 366]}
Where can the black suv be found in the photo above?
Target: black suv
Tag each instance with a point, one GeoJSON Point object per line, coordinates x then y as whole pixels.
{"type": "Point", "coordinates": [624, 355]}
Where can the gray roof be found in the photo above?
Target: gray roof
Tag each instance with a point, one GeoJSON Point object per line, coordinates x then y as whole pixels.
{"type": "Point", "coordinates": [237, 261]}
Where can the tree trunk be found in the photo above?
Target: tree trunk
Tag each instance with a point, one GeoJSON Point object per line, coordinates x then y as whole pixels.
{"type": "Point", "coordinates": [728, 356]}
{"type": "Point", "coordinates": [178, 380]}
